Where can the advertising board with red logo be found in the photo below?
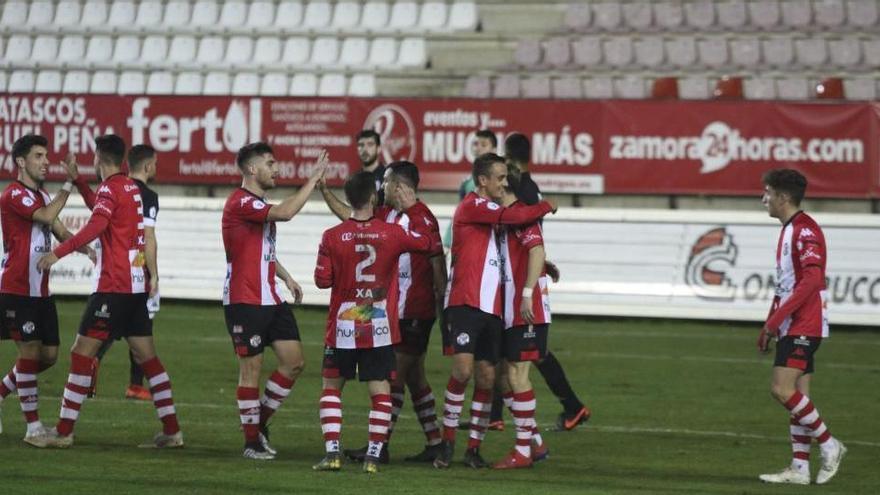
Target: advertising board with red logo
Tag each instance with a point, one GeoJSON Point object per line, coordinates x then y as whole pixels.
{"type": "Point", "coordinates": [593, 147]}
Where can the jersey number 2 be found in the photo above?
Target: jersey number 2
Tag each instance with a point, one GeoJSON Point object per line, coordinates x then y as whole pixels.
{"type": "Point", "coordinates": [359, 274]}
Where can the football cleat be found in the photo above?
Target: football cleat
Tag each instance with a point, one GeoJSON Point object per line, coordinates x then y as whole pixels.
{"type": "Point", "coordinates": [831, 464]}
{"type": "Point", "coordinates": [427, 455]}
{"type": "Point", "coordinates": [163, 441]}
{"type": "Point", "coordinates": [473, 459]}
{"type": "Point", "coordinates": [567, 422]}
{"type": "Point", "coordinates": [264, 440]}
{"type": "Point", "coordinates": [496, 425]}
{"type": "Point", "coordinates": [514, 460]}
{"type": "Point", "coordinates": [787, 475]}
{"type": "Point", "coordinates": [331, 462]}
{"type": "Point", "coordinates": [540, 452]}
{"type": "Point", "coordinates": [138, 392]}
{"type": "Point", "coordinates": [359, 455]}
{"type": "Point", "coordinates": [371, 465]}
{"type": "Point", "coordinates": [257, 452]}
{"type": "Point", "coordinates": [57, 441]}
{"type": "Point", "coordinates": [444, 455]}
{"type": "Point", "coordinates": [38, 438]}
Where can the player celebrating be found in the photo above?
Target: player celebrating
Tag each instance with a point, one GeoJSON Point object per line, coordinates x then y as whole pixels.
{"type": "Point", "coordinates": [799, 322]}
{"type": "Point", "coordinates": [27, 309]}
{"type": "Point", "coordinates": [118, 307]}
{"type": "Point", "coordinates": [422, 282]}
{"type": "Point", "coordinates": [358, 259]}
{"type": "Point", "coordinates": [256, 314]}
{"type": "Point", "coordinates": [473, 305]}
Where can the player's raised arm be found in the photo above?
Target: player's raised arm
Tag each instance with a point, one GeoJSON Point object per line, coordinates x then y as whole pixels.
{"type": "Point", "coordinates": [285, 210]}
{"type": "Point", "coordinates": [336, 205]}
{"type": "Point", "coordinates": [72, 170]}
{"type": "Point", "coordinates": [324, 266]}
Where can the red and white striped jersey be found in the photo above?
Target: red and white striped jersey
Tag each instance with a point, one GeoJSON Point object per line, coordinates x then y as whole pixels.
{"type": "Point", "coordinates": [120, 248]}
{"type": "Point", "coordinates": [249, 241]}
{"type": "Point", "coordinates": [24, 241]}
{"type": "Point", "coordinates": [475, 273]}
{"type": "Point", "coordinates": [415, 273]}
{"type": "Point", "coordinates": [515, 247]}
{"type": "Point", "coordinates": [359, 260]}
{"type": "Point", "coordinates": [801, 245]}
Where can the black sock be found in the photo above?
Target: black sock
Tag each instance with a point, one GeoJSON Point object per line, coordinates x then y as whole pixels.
{"type": "Point", "coordinates": [105, 346]}
{"type": "Point", "coordinates": [553, 374]}
{"type": "Point", "coordinates": [136, 374]}
{"type": "Point", "coordinates": [497, 407]}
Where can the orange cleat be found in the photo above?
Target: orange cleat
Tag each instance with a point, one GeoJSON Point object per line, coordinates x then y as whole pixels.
{"type": "Point", "coordinates": [514, 460]}
{"type": "Point", "coordinates": [137, 392]}
{"type": "Point", "coordinates": [496, 425]}
{"type": "Point", "coordinates": [568, 423]}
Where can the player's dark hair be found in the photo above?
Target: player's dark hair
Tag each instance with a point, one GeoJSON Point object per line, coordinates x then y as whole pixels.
{"type": "Point", "coordinates": [139, 154]}
{"type": "Point", "coordinates": [368, 133]}
{"type": "Point", "coordinates": [788, 181]}
{"type": "Point", "coordinates": [514, 176]}
{"type": "Point", "coordinates": [487, 134]}
{"type": "Point", "coordinates": [406, 172]}
{"type": "Point", "coordinates": [23, 145]}
{"type": "Point", "coordinates": [517, 148]}
{"type": "Point", "coordinates": [249, 151]}
{"type": "Point", "coordinates": [110, 149]}
{"type": "Point", "coordinates": [483, 164]}
{"type": "Point", "coordinates": [359, 188]}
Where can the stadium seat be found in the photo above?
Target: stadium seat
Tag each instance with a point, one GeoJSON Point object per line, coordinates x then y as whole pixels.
{"type": "Point", "coordinates": [649, 52]}
{"type": "Point", "coordinates": [506, 86]}
{"type": "Point", "coordinates": [274, 84]}
{"type": "Point", "coordinates": [792, 88]}
{"type": "Point", "coordinates": [261, 14]}
{"type": "Point", "coordinates": [205, 13]}
{"type": "Point", "coordinates": [239, 50]}
{"type": "Point", "coordinates": [699, 14]}
{"type": "Point", "coordinates": [332, 85]}
{"type": "Point", "coordinates": [41, 13]}
{"type": "Point", "coordinates": [693, 88]}
{"type": "Point", "coordinates": [796, 14]}
{"type": "Point", "coordinates": [404, 15]}
{"type": "Point", "coordinates": [668, 16]}
{"type": "Point", "coordinates": [568, 87]}
{"type": "Point", "coordinates": [811, 52]}
{"type": "Point", "coordinates": [607, 15]}
{"type": "Point", "coordinates": [587, 51]}
{"type": "Point", "coordinates": [76, 82]}
{"type": "Point", "coordinates": [304, 85]}
{"type": "Point", "coordinates": [375, 16]}
{"type": "Point", "coordinates": [14, 13]}
{"type": "Point", "coordinates": [862, 14]}
{"type": "Point", "coordinates": [149, 14]}
{"type": "Point", "coordinates": [354, 52]}
{"type": "Point", "coordinates": [289, 14]}
{"type": "Point", "coordinates": [618, 51]}
{"type": "Point", "coordinates": [233, 14]}
{"type": "Point", "coordinates": [578, 16]}
{"type": "Point", "coordinates": [217, 83]}
{"type": "Point", "coordinates": [759, 89]}
{"type": "Point", "coordinates": [20, 81]}
{"type": "Point", "coordinates": [728, 88]}
{"type": "Point", "coordinates": [317, 15]}
{"type": "Point", "coordinates": [122, 14]}
{"type": "Point", "coordinates": [745, 52]}
{"type": "Point", "coordinates": [433, 16]}
{"type": "Point", "coordinates": [72, 49]}
{"type": "Point", "coordinates": [132, 83]}
{"type": "Point", "coordinates": [778, 51]}
{"type": "Point", "coordinates": [325, 51]}
{"type": "Point", "coordinates": [630, 87]}
{"type": "Point", "coordinates": [154, 49]}
{"type": "Point", "coordinates": [127, 49]}
{"type": "Point", "coordinates": [48, 81]}
{"type": "Point", "coordinates": [19, 48]}
{"type": "Point", "coordinates": [296, 51]}
{"type": "Point", "coordinates": [183, 49]}
{"type": "Point", "coordinates": [99, 49]}
{"type": "Point", "coordinates": [527, 53]}
{"type": "Point", "coordinates": [267, 50]}
{"type": "Point", "coordinates": [362, 85]}
{"type": "Point", "coordinates": [598, 88]}
{"type": "Point", "coordinates": [681, 51]}
{"type": "Point", "coordinates": [188, 83]}
{"type": "Point", "coordinates": [638, 16]}
{"type": "Point", "coordinates": [103, 82]}
{"type": "Point", "coordinates": [160, 83]}
{"type": "Point", "coordinates": [45, 49]}
{"type": "Point", "coordinates": [845, 53]}
{"type": "Point", "coordinates": [346, 15]}
{"type": "Point", "coordinates": [830, 89]}
{"type": "Point", "coordinates": [245, 83]}
{"type": "Point", "coordinates": [94, 13]}
{"type": "Point", "coordinates": [413, 53]}
{"type": "Point", "coordinates": [463, 16]}
{"type": "Point", "coordinates": [536, 86]}
{"type": "Point", "coordinates": [764, 14]}
{"type": "Point", "coordinates": [732, 14]}
{"type": "Point", "coordinates": [67, 13]}
{"type": "Point", "coordinates": [862, 88]}
{"type": "Point", "coordinates": [177, 13]}
{"type": "Point", "coordinates": [477, 86]}
{"type": "Point", "coordinates": [713, 52]}
{"type": "Point", "coordinates": [383, 52]}
{"type": "Point", "coordinates": [557, 52]}
{"type": "Point", "coordinates": [210, 50]}
{"type": "Point", "coordinates": [665, 88]}
{"type": "Point", "coordinates": [830, 14]}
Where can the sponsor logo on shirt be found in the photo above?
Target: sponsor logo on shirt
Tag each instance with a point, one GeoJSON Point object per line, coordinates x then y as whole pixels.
{"type": "Point", "coordinates": [130, 187]}
{"type": "Point", "coordinates": [810, 253]}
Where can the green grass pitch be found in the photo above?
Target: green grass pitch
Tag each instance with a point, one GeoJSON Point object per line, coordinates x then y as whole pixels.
{"type": "Point", "coordinates": [678, 407]}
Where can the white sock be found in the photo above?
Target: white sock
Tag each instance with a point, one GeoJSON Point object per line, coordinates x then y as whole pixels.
{"type": "Point", "coordinates": [34, 428]}
{"type": "Point", "coordinates": [829, 448]}
{"type": "Point", "coordinates": [800, 466]}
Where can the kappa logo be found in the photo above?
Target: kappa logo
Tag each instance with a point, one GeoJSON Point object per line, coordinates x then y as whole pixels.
{"type": "Point", "coordinates": [255, 341]}
{"type": "Point", "coordinates": [711, 255]}
{"type": "Point", "coordinates": [16, 192]}
{"type": "Point", "coordinates": [103, 312]}
{"type": "Point", "coordinates": [237, 329]}
{"type": "Point", "coordinates": [245, 200]}
{"type": "Point", "coordinates": [10, 313]}
{"type": "Point", "coordinates": [463, 339]}
{"type": "Point", "coordinates": [28, 327]}
{"type": "Point", "coordinates": [396, 130]}
{"type": "Point", "coordinates": [806, 232]}
{"type": "Point", "coordinates": [104, 189]}
{"type": "Point", "coordinates": [802, 341]}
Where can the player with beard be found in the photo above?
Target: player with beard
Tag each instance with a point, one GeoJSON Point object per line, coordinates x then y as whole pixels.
{"type": "Point", "coordinates": [368, 146]}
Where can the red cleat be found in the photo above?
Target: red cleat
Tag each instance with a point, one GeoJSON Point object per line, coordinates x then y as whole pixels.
{"type": "Point", "coordinates": [137, 392]}
{"type": "Point", "coordinates": [514, 460]}
{"type": "Point", "coordinates": [539, 452]}
{"type": "Point", "coordinates": [496, 425]}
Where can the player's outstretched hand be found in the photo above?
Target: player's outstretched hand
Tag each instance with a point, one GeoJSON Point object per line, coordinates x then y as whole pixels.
{"type": "Point", "coordinates": [764, 340]}
{"type": "Point", "coordinates": [406, 196]}
{"type": "Point", "coordinates": [70, 166]}
{"type": "Point", "coordinates": [47, 261]}
{"type": "Point", "coordinates": [321, 165]}
{"type": "Point", "coordinates": [295, 289]}
{"type": "Point", "coordinates": [552, 270]}
{"type": "Point", "coordinates": [525, 309]}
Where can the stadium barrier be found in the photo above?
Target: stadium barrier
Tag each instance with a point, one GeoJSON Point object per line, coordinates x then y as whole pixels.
{"type": "Point", "coordinates": [640, 263]}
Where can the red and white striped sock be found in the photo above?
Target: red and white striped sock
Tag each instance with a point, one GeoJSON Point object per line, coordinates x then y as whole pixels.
{"type": "Point", "coordinates": [277, 389]}
{"type": "Point", "coordinates": [423, 405]}
{"type": "Point", "coordinates": [537, 439]}
{"type": "Point", "coordinates": [26, 379]}
{"type": "Point", "coordinates": [7, 384]}
{"type": "Point", "coordinates": [452, 408]}
{"type": "Point", "coordinates": [481, 407]}
{"type": "Point", "coordinates": [800, 445]}
{"type": "Point", "coordinates": [523, 410]}
{"type": "Point", "coordinates": [507, 399]}
{"type": "Point", "coordinates": [78, 383]}
{"type": "Point", "coordinates": [330, 407]}
{"type": "Point", "coordinates": [249, 413]}
{"type": "Point", "coordinates": [380, 420]}
{"type": "Point", "coordinates": [396, 406]}
{"type": "Point", "coordinates": [802, 409]}
{"type": "Point", "coordinates": [160, 388]}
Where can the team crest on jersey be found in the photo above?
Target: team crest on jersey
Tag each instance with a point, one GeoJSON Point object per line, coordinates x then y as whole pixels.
{"type": "Point", "coordinates": [463, 339]}
{"type": "Point", "coordinates": [28, 327]}
{"type": "Point", "coordinates": [255, 341]}
{"type": "Point", "coordinates": [27, 201]}
{"type": "Point", "coordinates": [258, 205]}
{"type": "Point", "coordinates": [492, 205]}
{"type": "Point", "coordinates": [710, 255]}
{"type": "Point", "coordinates": [103, 312]}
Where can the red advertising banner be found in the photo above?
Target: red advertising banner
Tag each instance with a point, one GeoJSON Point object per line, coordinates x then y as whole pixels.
{"type": "Point", "coordinates": [615, 147]}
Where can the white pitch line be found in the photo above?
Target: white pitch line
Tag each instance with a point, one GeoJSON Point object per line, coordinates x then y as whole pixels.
{"type": "Point", "coordinates": [665, 357]}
